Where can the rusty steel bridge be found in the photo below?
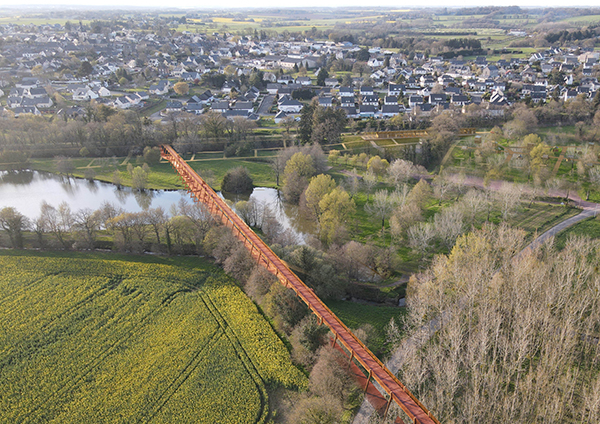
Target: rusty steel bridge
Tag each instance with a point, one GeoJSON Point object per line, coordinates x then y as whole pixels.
{"type": "Point", "coordinates": [393, 389]}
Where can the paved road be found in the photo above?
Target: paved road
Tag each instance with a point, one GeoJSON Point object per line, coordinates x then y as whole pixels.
{"type": "Point", "coordinates": [265, 105]}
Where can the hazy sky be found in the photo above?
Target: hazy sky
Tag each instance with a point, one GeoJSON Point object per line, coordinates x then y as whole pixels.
{"type": "Point", "coordinates": [204, 4]}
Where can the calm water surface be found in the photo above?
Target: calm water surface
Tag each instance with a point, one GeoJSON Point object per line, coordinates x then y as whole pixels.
{"type": "Point", "coordinates": [26, 191]}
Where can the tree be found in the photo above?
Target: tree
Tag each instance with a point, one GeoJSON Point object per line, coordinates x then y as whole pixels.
{"type": "Point", "coordinates": [139, 178]}
{"type": "Point", "coordinates": [64, 165]}
{"type": "Point", "coordinates": [13, 222]}
{"type": "Point", "coordinates": [59, 221]}
{"type": "Point", "coordinates": [538, 155]}
{"type": "Point", "coordinates": [420, 194]}
{"type": "Point", "coordinates": [509, 197]}
{"type": "Point", "coordinates": [382, 206]}
{"type": "Point", "coordinates": [494, 313]}
{"type": "Point", "coordinates": [87, 223]}
{"type": "Point", "coordinates": [237, 180]}
{"type": "Point", "coordinates": [400, 171]}
{"type": "Point", "coordinates": [377, 165]}
{"type": "Point", "coordinates": [318, 187]}
{"type": "Point", "coordinates": [321, 76]}
{"type": "Point", "coordinates": [214, 124]}
{"type": "Point", "coordinates": [420, 236]}
{"type": "Point", "coordinates": [151, 155]}
{"type": "Point", "coordinates": [239, 264]}
{"type": "Point", "coordinates": [336, 210]}
{"type": "Point", "coordinates": [369, 181]}
{"type": "Point", "coordinates": [403, 218]}
{"type": "Point", "coordinates": [441, 186]}
{"type": "Point", "coordinates": [297, 172]}
{"type": "Point", "coordinates": [85, 69]}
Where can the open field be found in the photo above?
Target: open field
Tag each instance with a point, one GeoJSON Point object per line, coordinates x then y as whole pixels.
{"type": "Point", "coordinates": [162, 175]}
{"type": "Point", "coordinates": [106, 338]}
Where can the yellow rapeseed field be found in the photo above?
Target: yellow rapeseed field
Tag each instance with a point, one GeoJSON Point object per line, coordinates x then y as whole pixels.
{"type": "Point", "coordinates": [86, 339]}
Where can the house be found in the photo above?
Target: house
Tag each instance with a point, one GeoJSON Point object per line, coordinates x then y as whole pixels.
{"type": "Point", "coordinates": [366, 91]}
{"type": "Point", "coordinates": [436, 99]}
{"type": "Point", "coordinates": [367, 111]}
{"type": "Point", "coordinates": [326, 101]}
{"type": "Point", "coordinates": [427, 81]}
{"type": "Point", "coordinates": [203, 99]}
{"type": "Point", "coordinates": [290, 106]}
{"type": "Point", "coordinates": [303, 81]}
{"type": "Point", "coordinates": [273, 88]}
{"type": "Point", "coordinates": [490, 71]}
{"type": "Point", "coordinates": [195, 108]}
{"type": "Point", "coordinates": [498, 99]}
{"type": "Point", "coordinates": [346, 92]}
{"type": "Point", "coordinates": [285, 79]}
{"type": "Point", "coordinates": [459, 100]}
{"type": "Point", "coordinates": [389, 110]}
{"type": "Point", "coordinates": [220, 106]}
{"type": "Point", "coordinates": [174, 106]}
{"type": "Point", "coordinates": [281, 115]}
{"type": "Point", "coordinates": [232, 114]}
{"type": "Point", "coordinates": [415, 101]}
{"type": "Point", "coordinates": [331, 82]}
{"type": "Point", "coordinates": [375, 62]}
{"type": "Point", "coordinates": [351, 112]}
{"type": "Point", "coordinates": [241, 105]}
{"type": "Point", "coordinates": [370, 100]}
{"type": "Point", "coordinates": [390, 100]}
{"type": "Point", "coordinates": [347, 101]}
{"type": "Point", "coordinates": [84, 94]}
{"type": "Point", "coordinates": [161, 88]}
{"type": "Point", "coordinates": [122, 102]}
{"type": "Point", "coordinates": [26, 110]}
{"type": "Point", "coordinates": [570, 95]}
{"type": "Point", "coordinates": [229, 86]}
{"type": "Point", "coordinates": [395, 89]}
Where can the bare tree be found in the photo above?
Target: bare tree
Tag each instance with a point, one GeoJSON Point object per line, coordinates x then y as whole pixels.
{"type": "Point", "coordinates": [369, 181]}
{"type": "Point", "coordinates": [87, 223]}
{"type": "Point", "coordinates": [473, 203]}
{"type": "Point", "coordinates": [400, 171]}
{"type": "Point", "coordinates": [449, 225]}
{"type": "Point", "coordinates": [509, 197]}
{"type": "Point", "coordinates": [441, 186]}
{"type": "Point", "coordinates": [382, 206]}
{"type": "Point", "coordinates": [58, 221]}
{"type": "Point", "coordinates": [420, 236]}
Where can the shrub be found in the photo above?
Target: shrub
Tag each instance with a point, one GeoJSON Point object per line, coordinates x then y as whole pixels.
{"type": "Point", "coordinates": [237, 180]}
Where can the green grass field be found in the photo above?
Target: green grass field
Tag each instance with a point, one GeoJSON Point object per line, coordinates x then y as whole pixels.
{"type": "Point", "coordinates": [588, 228]}
{"type": "Point", "coordinates": [356, 314]}
{"type": "Point", "coordinates": [107, 338]}
{"type": "Point", "coordinates": [163, 177]}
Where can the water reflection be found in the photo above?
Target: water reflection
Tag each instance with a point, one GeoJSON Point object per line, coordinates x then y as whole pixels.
{"type": "Point", "coordinates": [143, 198]}
{"type": "Point", "coordinates": [26, 190]}
{"type": "Point", "coordinates": [286, 214]}
{"type": "Point", "coordinates": [20, 177]}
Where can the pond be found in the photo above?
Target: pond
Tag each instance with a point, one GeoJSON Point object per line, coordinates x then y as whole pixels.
{"type": "Point", "coordinates": [26, 190]}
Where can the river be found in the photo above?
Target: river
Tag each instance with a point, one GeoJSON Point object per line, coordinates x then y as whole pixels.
{"type": "Point", "coordinates": [27, 190]}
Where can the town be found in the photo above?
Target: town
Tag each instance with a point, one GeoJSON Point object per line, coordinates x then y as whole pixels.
{"type": "Point", "coordinates": [300, 215]}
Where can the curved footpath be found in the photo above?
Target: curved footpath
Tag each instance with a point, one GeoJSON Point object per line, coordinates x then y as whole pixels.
{"type": "Point", "coordinates": [589, 209]}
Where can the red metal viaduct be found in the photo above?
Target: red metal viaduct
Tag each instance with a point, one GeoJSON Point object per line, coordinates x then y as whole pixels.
{"type": "Point", "coordinates": [394, 390]}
